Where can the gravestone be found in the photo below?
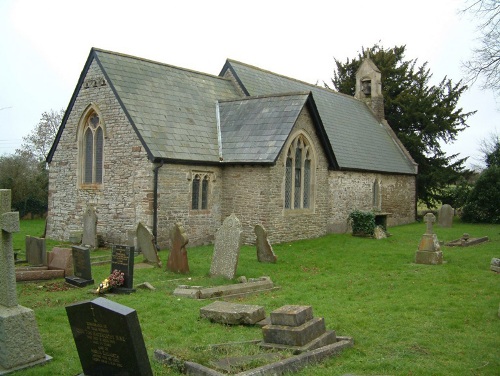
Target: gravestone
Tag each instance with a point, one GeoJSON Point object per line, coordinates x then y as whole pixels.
{"type": "Point", "coordinates": [20, 342]}
{"type": "Point", "coordinates": [233, 313]}
{"type": "Point", "coordinates": [82, 269]}
{"type": "Point", "coordinates": [108, 338]}
{"type": "Point", "coordinates": [445, 215]}
{"type": "Point", "coordinates": [264, 249]}
{"type": "Point", "coordinates": [122, 259]}
{"type": "Point", "coordinates": [36, 255]}
{"type": "Point", "coordinates": [429, 250]}
{"type": "Point", "coordinates": [61, 259]}
{"type": "Point", "coordinates": [89, 235]}
{"type": "Point", "coordinates": [227, 248]}
{"type": "Point", "coordinates": [177, 259]}
{"type": "Point", "coordinates": [146, 245]}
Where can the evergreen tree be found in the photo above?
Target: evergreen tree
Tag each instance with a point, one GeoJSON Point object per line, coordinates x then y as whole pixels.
{"type": "Point", "coordinates": [422, 115]}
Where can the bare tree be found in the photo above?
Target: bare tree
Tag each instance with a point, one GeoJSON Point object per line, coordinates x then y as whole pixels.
{"type": "Point", "coordinates": [38, 143]}
{"type": "Point", "coordinates": [485, 62]}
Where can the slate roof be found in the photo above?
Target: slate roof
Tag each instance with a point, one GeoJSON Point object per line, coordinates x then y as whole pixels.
{"type": "Point", "coordinates": [358, 139]}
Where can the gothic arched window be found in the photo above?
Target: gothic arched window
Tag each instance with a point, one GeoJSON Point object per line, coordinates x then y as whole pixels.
{"type": "Point", "coordinates": [298, 175]}
{"type": "Point", "coordinates": [93, 150]}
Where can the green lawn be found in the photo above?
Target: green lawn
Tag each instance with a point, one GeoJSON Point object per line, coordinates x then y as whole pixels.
{"type": "Point", "coordinates": [405, 319]}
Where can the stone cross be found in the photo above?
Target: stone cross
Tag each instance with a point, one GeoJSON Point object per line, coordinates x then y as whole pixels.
{"type": "Point", "coordinates": [429, 218]}
{"type": "Point", "coordinates": [9, 223]}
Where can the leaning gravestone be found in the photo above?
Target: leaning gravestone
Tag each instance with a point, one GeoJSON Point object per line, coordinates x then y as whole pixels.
{"type": "Point", "coordinates": [264, 249]}
{"type": "Point", "coordinates": [36, 255]}
{"type": "Point", "coordinates": [122, 259]}
{"type": "Point", "coordinates": [20, 342]}
{"type": "Point", "coordinates": [146, 245]}
{"type": "Point", "coordinates": [227, 248]}
{"type": "Point", "coordinates": [89, 236]}
{"type": "Point", "coordinates": [429, 250]}
{"type": "Point", "coordinates": [82, 269]}
{"type": "Point", "coordinates": [177, 259]}
{"type": "Point", "coordinates": [445, 216]}
{"type": "Point", "coordinates": [108, 338]}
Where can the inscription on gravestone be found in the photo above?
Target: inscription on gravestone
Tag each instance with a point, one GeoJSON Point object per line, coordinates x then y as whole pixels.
{"type": "Point", "coordinates": [122, 259]}
{"type": "Point", "coordinates": [227, 248]}
{"type": "Point", "coordinates": [108, 338]}
{"type": "Point", "coordinates": [82, 271]}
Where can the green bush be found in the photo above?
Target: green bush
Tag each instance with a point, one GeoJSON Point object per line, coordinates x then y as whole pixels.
{"type": "Point", "coordinates": [482, 204]}
{"type": "Point", "coordinates": [363, 223]}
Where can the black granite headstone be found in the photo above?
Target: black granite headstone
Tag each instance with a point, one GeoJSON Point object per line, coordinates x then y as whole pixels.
{"type": "Point", "coordinates": [81, 267]}
{"type": "Point", "coordinates": [108, 338]}
{"type": "Point", "coordinates": [122, 259]}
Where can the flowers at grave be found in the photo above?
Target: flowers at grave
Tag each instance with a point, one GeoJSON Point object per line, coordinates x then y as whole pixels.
{"type": "Point", "coordinates": [115, 279]}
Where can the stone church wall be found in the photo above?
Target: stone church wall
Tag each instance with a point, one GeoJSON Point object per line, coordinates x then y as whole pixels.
{"type": "Point", "coordinates": [126, 195]}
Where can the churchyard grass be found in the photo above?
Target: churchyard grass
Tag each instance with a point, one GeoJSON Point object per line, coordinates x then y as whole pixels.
{"type": "Point", "coordinates": [405, 318]}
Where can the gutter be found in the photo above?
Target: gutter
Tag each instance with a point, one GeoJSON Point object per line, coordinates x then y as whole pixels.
{"type": "Point", "coordinates": [155, 203]}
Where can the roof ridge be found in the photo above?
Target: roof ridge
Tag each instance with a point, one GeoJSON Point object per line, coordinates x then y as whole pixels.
{"type": "Point", "coordinates": [328, 90]}
{"type": "Point", "coordinates": [95, 49]}
{"type": "Point", "coordinates": [276, 95]}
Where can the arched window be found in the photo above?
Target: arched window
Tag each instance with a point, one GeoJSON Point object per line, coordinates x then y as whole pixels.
{"type": "Point", "coordinates": [376, 195]}
{"type": "Point", "coordinates": [298, 175]}
{"type": "Point", "coordinates": [199, 192]}
{"type": "Point", "coordinates": [93, 150]}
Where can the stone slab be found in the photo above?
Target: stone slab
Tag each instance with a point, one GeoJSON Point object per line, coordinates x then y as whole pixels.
{"type": "Point", "coordinates": [237, 288]}
{"type": "Point", "coordinates": [327, 338]}
{"type": "Point", "coordinates": [233, 313]}
{"type": "Point", "coordinates": [38, 275]}
{"type": "Point", "coordinates": [294, 336]}
{"type": "Point", "coordinates": [291, 315]}
{"type": "Point", "coordinates": [429, 258]}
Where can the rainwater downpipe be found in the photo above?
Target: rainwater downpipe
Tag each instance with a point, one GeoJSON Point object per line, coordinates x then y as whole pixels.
{"type": "Point", "coordinates": [155, 203]}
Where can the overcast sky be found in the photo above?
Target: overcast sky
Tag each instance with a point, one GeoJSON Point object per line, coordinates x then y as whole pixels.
{"type": "Point", "coordinates": [44, 46]}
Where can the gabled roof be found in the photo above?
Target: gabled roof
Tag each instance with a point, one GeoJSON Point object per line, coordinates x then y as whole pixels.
{"type": "Point", "coordinates": [358, 139]}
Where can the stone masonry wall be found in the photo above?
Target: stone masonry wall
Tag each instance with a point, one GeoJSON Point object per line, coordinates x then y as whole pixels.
{"type": "Point", "coordinates": [126, 195]}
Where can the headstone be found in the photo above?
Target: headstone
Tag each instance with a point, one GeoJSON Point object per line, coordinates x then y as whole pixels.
{"type": "Point", "coordinates": [36, 254]}
{"type": "Point", "coordinates": [495, 264]}
{"type": "Point", "coordinates": [20, 342]}
{"type": "Point", "coordinates": [227, 248]}
{"type": "Point", "coordinates": [264, 249]}
{"type": "Point", "coordinates": [429, 250]}
{"type": "Point", "coordinates": [122, 259]}
{"type": "Point", "coordinates": [233, 313]}
{"type": "Point", "coordinates": [445, 216]}
{"type": "Point", "coordinates": [61, 259]}
{"type": "Point", "coordinates": [82, 269]}
{"type": "Point", "coordinates": [177, 259]}
{"type": "Point", "coordinates": [108, 338]}
{"type": "Point", "coordinates": [146, 245]}
{"type": "Point", "coordinates": [89, 236]}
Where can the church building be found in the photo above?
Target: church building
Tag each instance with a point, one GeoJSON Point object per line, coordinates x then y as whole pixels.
{"type": "Point", "coordinates": [147, 142]}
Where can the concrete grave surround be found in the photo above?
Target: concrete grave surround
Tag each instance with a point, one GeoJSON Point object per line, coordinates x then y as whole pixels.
{"type": "Point", "coordinates": [89, 236]}
{"type": "Point", "coordinates": [18, 325]}
{"type": "Point", "coordinates": [445, 216]}
{"type": "Point", "coordinates": [429, 250]}
{"type": "Point", "coordinates": [177, 259]}
{"type": "Point", "coordinates": [233, 313]}
{"type": "Point", "coordinates": [227, 248]}
{"type": "Point", "coordinates": [108, 338]}
{"type": "Point", "coordinates": [265, 251]}
{"type": "Point", "coordinates": [36, 255]}
{"type": "Point", "coordinates": [146, 245]}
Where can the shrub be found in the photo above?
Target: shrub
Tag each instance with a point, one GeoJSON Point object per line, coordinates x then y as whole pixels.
{"type": "Point", "coordinates": [482, 204]}
{"type": "Point", "coordinates": [363, 223]}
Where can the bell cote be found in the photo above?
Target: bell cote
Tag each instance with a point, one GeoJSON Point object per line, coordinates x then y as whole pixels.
{"type": "Point", "coordinates": [369, 87]}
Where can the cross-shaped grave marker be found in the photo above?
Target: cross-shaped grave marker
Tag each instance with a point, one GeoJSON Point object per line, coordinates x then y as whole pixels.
{"type": "Point", "coordinates": [429, 219]}
{"type": "Point", "coordinates": [9, 223]}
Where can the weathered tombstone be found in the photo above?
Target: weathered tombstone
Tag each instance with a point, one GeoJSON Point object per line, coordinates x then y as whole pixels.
{"type": "Point", "coordinates": [82, 269]}
{"type": "Point", "coordinates": [122, 259]}
{"type": "Point", "coordinates": [429, 250]}
{"type": "Point", "coordinates": [146, 245]}
{"type": "Point", "coordinates": [177, 259]}
{"type": "Point", "coordinates": [227, 248]}
{"type": "Point", "coordinates": [89, 236]}
{"type": "Point", "coordinates": [20, 342]}
{"type": "Point", "coordinates": [495, 264]}
{"type": "Point", "coordinates": [265, 251]}
{"type": "Point", "coordinates": [233, 313]}
{"type": "Point", "coordinates": [108, 338]}
{"type": "Point", "coordinates": [36, 255]}
{"type": "Point", "coordinates": [445, 216]}
{"type": "Point", "coordinates": [61, 259]}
